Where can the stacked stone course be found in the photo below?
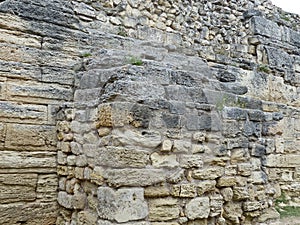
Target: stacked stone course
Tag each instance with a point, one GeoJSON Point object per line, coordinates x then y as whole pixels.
{"type": "Point", "coordinates": [147, 112]}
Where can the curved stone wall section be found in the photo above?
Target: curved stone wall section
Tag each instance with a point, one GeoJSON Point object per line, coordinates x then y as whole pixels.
{"type": "Point", "coordinates": [166, 142]}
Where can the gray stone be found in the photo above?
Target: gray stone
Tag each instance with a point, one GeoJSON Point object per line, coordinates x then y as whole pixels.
{"type": "Point", "coordinates": [198, 208]}
{"type": "Point", "coordinates": [134, 177]}
{"type": "Point", "coordinates": [123, 205]}
{"type": "Point", "coordinates": [264, 27]}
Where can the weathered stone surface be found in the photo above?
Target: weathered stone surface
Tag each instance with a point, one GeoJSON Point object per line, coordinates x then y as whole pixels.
{"type": "Point", "coordinates": [122, 157]}
{"type": "Point", "coordinates": [123, 205]}
{"type": "Point", "coordinates": [198, 208]}
{"type": "Point", "coordinates": [190, 161]}
{"type": "Point", "coordinates": [280, 160]}
{"type": "Point", "coordinates": [150, 139]}
{"type": "Point", "coordinates": [134, 177]}
{"type": "Point", "coordinates": [30, 137]}
{"type": "Point", "coordinates": [23, 113]}
{"type": "Point", "coordinates": [30, 213]}
{"type": "Point", "coordinates": [13, 159]}
{"type": "Point", "coordinates": [164, 160]}
{"type": "Point", "coordinates": [17, 187]}
{"type": "Point", "coordinates": [163, 209]}
{"type": "Point", "coordinates": [208, 173]}
{"type": "Point", "coordinates": [264, 27]}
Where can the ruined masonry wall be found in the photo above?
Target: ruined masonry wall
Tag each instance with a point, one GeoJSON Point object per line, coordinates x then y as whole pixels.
{"type": "Point", "coordinates": [147, 112]}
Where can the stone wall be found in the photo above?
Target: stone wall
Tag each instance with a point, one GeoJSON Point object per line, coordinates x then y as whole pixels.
{"type": "Point", "coordinates": [152, 112]}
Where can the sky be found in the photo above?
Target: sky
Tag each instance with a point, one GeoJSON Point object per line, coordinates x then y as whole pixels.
{"type": "Point", "coordinates": [288, 5]}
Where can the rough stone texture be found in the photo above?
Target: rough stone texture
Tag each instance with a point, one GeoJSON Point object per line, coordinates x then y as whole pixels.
{"type": "Point", "coordinates": [134, 112]}
{"type": "Point", "coordinates": [123, 205]}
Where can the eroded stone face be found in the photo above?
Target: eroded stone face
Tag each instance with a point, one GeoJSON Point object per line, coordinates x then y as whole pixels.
{"type": "Point", "coordinates": [122, 205]}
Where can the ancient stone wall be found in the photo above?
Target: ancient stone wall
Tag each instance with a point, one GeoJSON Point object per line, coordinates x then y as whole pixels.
{"type": "Point", "coordinates": [166, 112]}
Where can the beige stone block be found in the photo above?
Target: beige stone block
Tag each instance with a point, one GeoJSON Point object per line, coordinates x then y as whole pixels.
{"type": "Point", "coordinates": [29, 213]}
{"type": "Point", "coordinates": [157, 191]}
{"type": "Point", "coordinates": [209, 173]}
{"type": "Point", "coordinates": [122, 157]}
{"type": "Point", "coordinates": [184, 190]}
{"type": "Point", "coordinates": [268, 214]}
{"type": "Point", "coordinates": [159, 161]}
{"type": "Point", "coordinates": [198, 208]}
{"type": "Point", "coordinates": [163, 209]}
{"type": "Point", "coordinates": [251, 206]}
{"type": "Point", "coordinates": [134, 177]}
{"type": "Point", "coordinates": [216, 205]}
{"type": "Point", "coordinates": [22, 160]}
{"type": "Point", "coordinates": [279, 160]}
{"type": "Point", "coordinates": [34, 92]}
{"type": "Point", "coordinates": [47, 187]}
{"type": "Point", "coordinates": [190, 161]}
{"type": "Point", "coordinates": [30, 137]}
{"type": "Point", "coordinates": [226, 181]}
{"type": "Point", "coordinates": [181, 146]}
{"type": "Point", "coordinates": [166, 146]}
{"type": "Point", "coordinates": [205, 186]}
{"type": "Point", "coordinates": [17, 187]}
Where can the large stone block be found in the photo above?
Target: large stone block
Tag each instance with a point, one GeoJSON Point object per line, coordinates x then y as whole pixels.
{"type": "Point", "coordinates": [280, 160]}
{"type": "Point", "coordinates": [28, 213]}
{"type": "Point", "coordinates": [30, 137]}
{"type": "Point", "coordinates": [163, 209]}
{"type": "Point", "coordinates": [122, 157]}
{"type": "Point", "coordinates": [164, 160]}
{"type": "Point", "coordinates": [27, 160]}
{"type": "Point", "coordinates": [122, 205]}
{"type": "Point", "coordinates": [17, 187]}
{"type": "Point", "coordinates": [33, 92]}
{"type": "Point", "coordinates": [134, 177]}
{"type": "Point", "coordinates": [13, 112]}
{"type": "Point", "coordinates": [198, 208]}
{"type": "Point", "coordinates": [264, 27]}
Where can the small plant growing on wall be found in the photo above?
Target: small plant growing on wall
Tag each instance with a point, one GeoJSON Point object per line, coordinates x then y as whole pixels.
{"type": "Point", "coordinates": [134, 60]}
{"type": "Point", "coordinates": [264, 68]}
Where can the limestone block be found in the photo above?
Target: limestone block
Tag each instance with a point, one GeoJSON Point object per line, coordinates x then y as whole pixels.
{"type": "Point", "coordinates": [31, 92]}
{"type": "Point", "coordinates": [147, 138]}
{"type": "Point", "coordinates": [134, 177]}
{"type": "Point", "coordinates": [47, 187]}
{"type": "Point", "coordinates": [199, 136]}
{"type": "Point", "coordinates": [122, 205]}
{"type": "Point", "coordinates": [191, 161]}
{"type": "Point", "coordinates": [184, 190]}
{"type": "Point", "coordinates": [251, 206]}
{"type": "Point", "coordinates": [244, 169]}
{"type": "Point", "coordinates": [240, 193]}
{"type": "Point", "coordinates": [181, 146]}
{"type": "Point", "coordinates": [30, 213]}
{"type": "Point", "coordinates": [205, 186]}
{"type": "Point", "coordinates": [226, 181]}
{"type": "Point", "coordinates": [122, 157]}
{"type": "Point", "coordinates": [13, 159]}
{"type": "Point", "coordinates": [209, 173]}
{"type": "Point", "coordinates": [268, 214]}
{"type": "Point", "coordinates": [259, 177]}
{"type": "Point", "coordinates": [216, 204]}
{"type": "Point", "coordinates": [24, 113]}
{"type": "Point", "coordinates": [30, 137]}
{"type": "Point", "coordinates": [200, 149]}
{"type": "Point", "coordinates": [157, 191]}
{"type": "Point", "coordinates": [264, 27]}
{"type": "Point", "coordinates": [86, 217]}
{"type": "Point", "coordinates": [17, 187]}
{"type": "Point", "coordinates": [166, 146]}
{"type": "Point", "coordinates": [163, 160]}
{"type": "Point", "coordinates": [198, 208]}
{"type": "Point", "coordinates": [163, 209]}
{"type": "Point", "coordinates": [233, 211]}
{"type": "Point", "coordinates": [227, 194]}
{"type": "Point", "coordinates": [279, 160]}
